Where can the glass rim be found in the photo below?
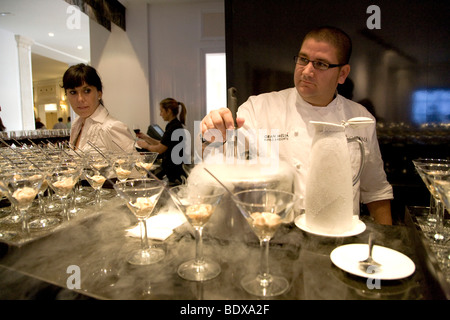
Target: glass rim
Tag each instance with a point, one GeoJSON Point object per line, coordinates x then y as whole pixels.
{"type": "Point", "coordinates": [160, 183]}
{"type": "Point", "coordinates": [218, 187]}
{"type": "Point", "coordinates": [295, 197]}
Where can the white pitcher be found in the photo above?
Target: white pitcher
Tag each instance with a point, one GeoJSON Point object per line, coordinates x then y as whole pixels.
{"type": "Point", "coordinates": [329, 183]}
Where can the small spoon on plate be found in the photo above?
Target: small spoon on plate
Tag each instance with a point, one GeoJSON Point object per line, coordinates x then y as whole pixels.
{"type": "Point", "coordinates": [369, 265]}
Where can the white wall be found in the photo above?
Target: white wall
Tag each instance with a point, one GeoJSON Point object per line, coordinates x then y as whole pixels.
{"type": "Point", "coordinates": [158, 56]}
{"type": "Point", "coordinates": [176, 47]}
{"type": "Point", "coordinates": [9, 82]}
{"type": "Point", "coordinates": [121, 59]}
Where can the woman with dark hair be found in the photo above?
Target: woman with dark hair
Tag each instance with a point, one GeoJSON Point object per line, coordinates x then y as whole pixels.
{"type": "Point", "coordinates": [171, 159]}
{"type": "Point", "coordinates": [84, 91]}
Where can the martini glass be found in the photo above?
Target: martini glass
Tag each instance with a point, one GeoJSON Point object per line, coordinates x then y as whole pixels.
{"type": "Point", "coordinates": [431, 219]}
{"type": "Point", "coordinates": [144, 162]}
{"type": "Point", "coordinates": [141, 196]}
{"type": "Point", "coordinates": [21, 189]}
{"type": "Point", "coordinates": [62, 181]}
{"type": "Point", "coordinates": [264, 210]}
{"type": "Point", "coordinates": [198, 204]}
{"type": "Point", "coordinates": [123, 164]}
{"type": "Point", "coordinates": [101, 164]}
{"type": "Point", "coordinates": [43, 220]}
{"type": "Point", "coordinates": [96, 172]}
{"type": "Point", "coordinates": [96, 181]}
{"type": "Point", "coordinates": [442, 184]}
{"type": "Point", "coordinates": [431, 172]}
{"type": "Point", "coordinates": [10, 212]}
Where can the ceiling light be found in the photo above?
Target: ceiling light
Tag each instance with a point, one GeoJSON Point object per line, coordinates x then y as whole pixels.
{"type": "Point", "coordinates": [5, 13]}
{"type": "Point", "coordinates": [51, 34]}
{"type": "Point", "coordinates": [80, 47]}
{"type": "Point", "coordinates": [50, 107]}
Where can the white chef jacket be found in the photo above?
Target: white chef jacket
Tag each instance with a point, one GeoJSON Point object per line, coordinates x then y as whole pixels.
{"type": "Point", "coordinates": [104, 131]}
{"type": "Point", "coordinates": [287, 113]}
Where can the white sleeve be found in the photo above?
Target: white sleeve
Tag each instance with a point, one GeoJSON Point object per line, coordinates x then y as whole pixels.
{"type": "Point", "coordinates": [373, 183]}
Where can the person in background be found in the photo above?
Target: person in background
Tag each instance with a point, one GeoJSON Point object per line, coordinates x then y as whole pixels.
{"type": "Point", "coordinates": [60, 124]}
{"type": "Point", "coordinates": [84, 90]}
{"type": "Point", "coordinates": [171, 167]}
{"type": "Point", "coordinates": [322, 63]}
{"type": "Point", "coordinates": [39, 124]}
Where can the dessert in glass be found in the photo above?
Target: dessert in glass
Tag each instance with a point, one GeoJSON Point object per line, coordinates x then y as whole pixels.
{"type": "Point", "coordinates": [144, 162]}
{"type": "Point", "coordinates": [21, 188]}
{"type": "Point", "coordinates": [141, 196]}
{"type": "Point", "coordinates": [62, 181]}
{"type": "Point", "coordinates": [198, 204]}
{"type": "Point", "coordinates": [264, 210]}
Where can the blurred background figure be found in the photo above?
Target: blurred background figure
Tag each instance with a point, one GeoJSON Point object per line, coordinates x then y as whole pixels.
{"type": "Point", "coordinates": [171, 167]}
{"type": "Point", "coordinates": [60, 124]}
{"type": "Point", "coordinates": [39, 124]}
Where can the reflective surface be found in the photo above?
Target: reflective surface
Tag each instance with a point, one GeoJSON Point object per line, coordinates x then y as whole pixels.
{"type": "Point", "coordinates": [98, 247]}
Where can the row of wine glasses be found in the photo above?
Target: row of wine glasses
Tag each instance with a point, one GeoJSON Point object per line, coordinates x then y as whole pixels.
{"type": "Point", "coordinates": [263, 209]}
{"type": "Point", "coordinates": [30, 172]}
{"type": "Point", "coordinates": [59, 171]}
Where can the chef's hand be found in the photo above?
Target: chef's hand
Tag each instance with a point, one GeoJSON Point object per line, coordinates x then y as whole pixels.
{"type": "Point", "coordinates": [220, 119]}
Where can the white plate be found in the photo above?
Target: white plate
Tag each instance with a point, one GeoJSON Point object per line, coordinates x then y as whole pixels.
{"type": "Point", "coordinates": [394, 265]}
{"type": "Point", "coordinates": [358, 227]}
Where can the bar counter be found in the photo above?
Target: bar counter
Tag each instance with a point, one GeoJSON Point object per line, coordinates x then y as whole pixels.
{"type": "Point", "coordinates": [99, 246]}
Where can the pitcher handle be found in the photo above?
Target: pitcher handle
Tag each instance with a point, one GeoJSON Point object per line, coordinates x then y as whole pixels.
{"type": "Point", "coordinates": [363, 156]}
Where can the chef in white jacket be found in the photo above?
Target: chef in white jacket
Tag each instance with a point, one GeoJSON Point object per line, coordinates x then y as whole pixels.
{"type": "Point", "coordinates": [322, 64]}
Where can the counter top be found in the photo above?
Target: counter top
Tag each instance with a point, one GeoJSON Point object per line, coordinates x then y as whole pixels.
{"type": "Point", "coordinates": [98, 247]}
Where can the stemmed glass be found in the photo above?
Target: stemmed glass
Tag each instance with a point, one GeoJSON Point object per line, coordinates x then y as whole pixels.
{"type": "Point", "coordinates": [442, 184]}
{"type": "Point", "coordinates": [21, 189]}
{"type": "Point", "coordinates": [62, 180]}
{"type": "Point", "coordinates": [430, 172]}
{"type": "Point", "coordinates": [96, 171]}
{"type": "Point", "coordinates": [96, 181]}
{"type": "Point", "coordinates": [144, 162]}
{"type": "Point", "coordinates": [10, 213]}
{"type": "Point", "coordinates": [141, 196]}
{"type": "Point", "coordinates": [433, 201]}
{"type": "Point", "coordinates": [44, 221]}
{"type": "Point", "coordinates": [123, 164]}
{"type": "Point", "coordinates": [264, 210]}
{"type": "Point", "coordinates": [198, 204]}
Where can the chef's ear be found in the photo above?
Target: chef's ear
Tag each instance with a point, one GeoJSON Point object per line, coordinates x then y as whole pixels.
{"type": "Point", "coordinates": [343, 73]}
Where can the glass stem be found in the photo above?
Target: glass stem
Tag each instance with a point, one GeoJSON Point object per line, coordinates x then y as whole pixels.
{"type": "Point", "coordinates": [438, 235]}
{"type": "Point", "coordinates": [199, 245]}
{"type": "Point", "coordinates": [144, 238]}
{"type": "Point", "coordinates": [41, 202]}
{"type": "Point", "coordinates": [25, 226]}
{"type": "Point", "coordinates": [65, 205]}
{"type": "Point", "coordinates": [264, 275]}
{"type": "Point", "coordinates": [97, 197]}
{"type": "Point", "coordinates": [432, 215]}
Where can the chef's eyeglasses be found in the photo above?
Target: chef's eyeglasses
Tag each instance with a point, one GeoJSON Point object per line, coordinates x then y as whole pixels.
{"type": "Point", "coordinates": [319, 65]}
